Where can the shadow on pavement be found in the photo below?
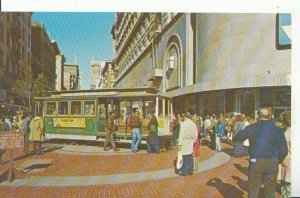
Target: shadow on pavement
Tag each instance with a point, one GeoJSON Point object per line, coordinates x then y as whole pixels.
{"type": "Point", "coordinates": [50, 149]}
{"type": "Point", "coordinates": [227, 190]}
{"type": "Point", "coordinates": [228, 151]}
{"type": "Point", "coordinates": [243, 184]}
{"type": "Point", "coordinates": [242, 169]}
{"type": "Point", "coordinates": [36, 166]}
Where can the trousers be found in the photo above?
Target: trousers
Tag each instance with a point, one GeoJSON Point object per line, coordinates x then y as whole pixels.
{"type": "Point", "coordinates": [262, 171]}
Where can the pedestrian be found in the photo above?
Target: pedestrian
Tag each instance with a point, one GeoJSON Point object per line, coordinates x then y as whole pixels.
{"type": "Point", "coordinates": [267, 149]}
{"type": "Point", "coordinates": [286, 164]}
{"type": "Point", "coordinates": [238, 147]}
{"type": "Point", "coordinates": [196, 146]}
{"type": "Point", "coordinates": [153, 139]}
{"type": "Point", "coordinates": [187, 137]}
{"type": "Point", "coordinates": [7, 125]}
{"type": "Point", "coordinates": [228, 127]}
{"type": "Point", "coordinates": [110, 132]}
{"type": "Point", "coordinates": [36, 133]}
{"type": "Point", "coordinates": [135, 125]}
{"type": "Point", "coordinates": [220, 132]}
{"type": "Point", "coordinates": [212, 132]}
{"type": "Point", "coordinates": [207, 125]}
{"type": "Point", "coordinates": [26, 118]}
{"type": "Point", "coordinates": [176, 127]}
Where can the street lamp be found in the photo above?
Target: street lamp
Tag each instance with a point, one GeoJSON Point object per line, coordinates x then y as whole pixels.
{"type": "Point", "coordinates": [171, 62]}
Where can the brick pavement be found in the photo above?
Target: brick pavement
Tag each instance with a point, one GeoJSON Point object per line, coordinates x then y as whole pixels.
{"type": "Point", "coordinates": [227, 180]}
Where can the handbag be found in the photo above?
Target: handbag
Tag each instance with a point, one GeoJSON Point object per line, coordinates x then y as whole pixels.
{"type": "Point", "coordinates": [153, 128]}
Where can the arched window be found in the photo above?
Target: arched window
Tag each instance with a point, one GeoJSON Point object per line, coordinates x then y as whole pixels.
{"type": "Point", "coordinates": [172, 68]}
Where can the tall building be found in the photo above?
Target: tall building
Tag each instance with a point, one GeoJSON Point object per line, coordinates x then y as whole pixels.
{"type": "Point", "coordinates": [60, 60]}
{"type": "Point", "coordinates": [206, 62]}
{"type": "Point", "coordinates": [96, 70]}
{"type": "Point", "coordinates": [107, 76]}
{"type": "Point", "coordinates": [71, 76]}
{"type": "Point", "coordinates": [15, 49]}
{"type": "Point", "coordinates": [44, 52]}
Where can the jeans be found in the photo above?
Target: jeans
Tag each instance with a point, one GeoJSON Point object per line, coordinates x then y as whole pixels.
{"type": "Point", "coordinates": [262, 171]}
{"type": "Point", "coordinates": [136, 139]}
{"type": "Point", "coordinates": [218, 144]}
{"type": "Point", "coordinates": [187, 166]}
{"type": "Point", "coordinates": [150, 148]}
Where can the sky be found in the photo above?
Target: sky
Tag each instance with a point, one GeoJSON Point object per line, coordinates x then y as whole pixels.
{"type": "Point", "coordinates": [81, 37]}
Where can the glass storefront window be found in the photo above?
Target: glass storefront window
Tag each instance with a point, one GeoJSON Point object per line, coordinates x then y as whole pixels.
{"type": "Point", "coordinates": [51, 108]}
{"type": "Point", "coordinates": [76, 107]}
{"type": "Point", "coordinates": [63, 108]}
{"type": "Point", "coordinates": [89, 108]}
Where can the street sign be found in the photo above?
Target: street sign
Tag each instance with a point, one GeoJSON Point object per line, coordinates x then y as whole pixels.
{"type": "Point", "coordinates": [11, 140]}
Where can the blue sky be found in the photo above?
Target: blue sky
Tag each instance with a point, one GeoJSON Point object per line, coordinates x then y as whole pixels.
{"type": "Point", "coordinates": [81, 37]}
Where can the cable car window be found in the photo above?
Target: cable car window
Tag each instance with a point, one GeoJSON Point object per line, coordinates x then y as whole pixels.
{"type": "Point", "coordinates": [51, 108]}
{"type": "Point", "coordinates": [63, 108]}
{"type": "Point", "coordinates": [76, 107]}
{"type": "Point", "coordinates": [89, 107]}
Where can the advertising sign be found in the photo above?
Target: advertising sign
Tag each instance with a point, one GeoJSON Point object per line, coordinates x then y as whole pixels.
{"type": "Point", "coordinates": [69, 122]}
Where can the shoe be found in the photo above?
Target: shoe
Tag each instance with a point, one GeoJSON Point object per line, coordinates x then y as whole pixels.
{"type": "Point", "coordinates": [181, 174]}
{"type": "Point", "coordinates": [116, 149]}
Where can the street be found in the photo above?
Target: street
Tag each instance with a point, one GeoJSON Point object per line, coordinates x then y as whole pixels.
{"type": "Point", "coordinates": [83, 169]}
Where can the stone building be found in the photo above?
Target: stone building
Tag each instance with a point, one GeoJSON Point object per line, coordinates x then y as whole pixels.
{"type": "Point", "coordinates": [70, 76]}
{"type": "Point", "coordinates": [206, 62]}
{"type": "Point", "coordinates": [44, 52]}
{"type": "Point", "coordinates": [15, 48]}
{"type": "Point", "coordinates": [108, 76]}
{"type": "Point", "coordinates": [96, 70]}
{"type": "Point", "coordinates": [59, 81]}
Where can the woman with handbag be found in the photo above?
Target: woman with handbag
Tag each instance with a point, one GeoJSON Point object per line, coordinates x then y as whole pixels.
{"type": "Point", "coordinates": [153, 140]}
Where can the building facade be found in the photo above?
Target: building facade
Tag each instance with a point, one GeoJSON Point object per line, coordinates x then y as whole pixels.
{"type": "Point", "coordinates": [15, 49]}
{"type": "Point", "coordinates": [108, 76]}
{"type": "Point", "coordinates": [59, 81]}
{"type": "Point", "coordinates": [44, 52]}
{"type": "Point", "coordinates": [71, 76]}
{"type": "Point", "coordinates": [205, 62]}
{"type": "Point", "coordinates": [96, 70]}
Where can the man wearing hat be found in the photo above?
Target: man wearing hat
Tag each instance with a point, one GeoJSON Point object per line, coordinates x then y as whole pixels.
{"type": "Point", "coordinates": [187, 136]}
{"type": "Point", "coordinates": [267, 149]}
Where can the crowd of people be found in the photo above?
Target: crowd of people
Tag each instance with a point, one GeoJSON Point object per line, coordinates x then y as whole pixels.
{"type": "Point", "coordinates": [266, 141]}
{"type": "Point", "coordinates": [31, 127]}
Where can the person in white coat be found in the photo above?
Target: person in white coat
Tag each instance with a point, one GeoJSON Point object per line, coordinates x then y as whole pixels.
{"type": "Point", "coordinates": [187, 137]}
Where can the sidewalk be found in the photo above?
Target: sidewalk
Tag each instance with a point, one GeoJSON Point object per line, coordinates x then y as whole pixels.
{"type": "Point", "coordinates": [88, 171]}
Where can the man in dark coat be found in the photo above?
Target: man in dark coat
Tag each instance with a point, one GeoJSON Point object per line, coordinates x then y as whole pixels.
{"type": "Point", "coordinates": [267, 149]}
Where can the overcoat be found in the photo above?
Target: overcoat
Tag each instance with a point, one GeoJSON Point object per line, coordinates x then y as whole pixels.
{"type": "Point", "coordinates": [36, 129]}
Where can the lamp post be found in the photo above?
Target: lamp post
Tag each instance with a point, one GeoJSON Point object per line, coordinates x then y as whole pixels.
{"type": "Point", "coordinates": [171, 62]}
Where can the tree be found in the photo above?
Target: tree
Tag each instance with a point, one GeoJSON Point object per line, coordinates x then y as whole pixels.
{"type": "Point", "coordinates": [41, 86]}
{"type": "Point", "coordinates": [22, 86]}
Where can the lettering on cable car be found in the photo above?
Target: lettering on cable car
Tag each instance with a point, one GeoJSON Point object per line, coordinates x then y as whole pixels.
{"type": "Point", "coordinates": [69, 122]}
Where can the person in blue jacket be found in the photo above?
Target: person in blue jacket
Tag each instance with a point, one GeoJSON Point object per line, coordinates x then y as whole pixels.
{"type": "Point", "coordinates": [267, 149]}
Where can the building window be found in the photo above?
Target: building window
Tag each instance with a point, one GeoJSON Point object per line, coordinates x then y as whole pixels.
{"type": "Point", "coordinates": [172, 69]}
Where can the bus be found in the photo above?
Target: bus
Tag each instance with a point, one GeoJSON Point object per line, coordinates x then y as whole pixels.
{"type": "Point", "coordinates": [81, 114]}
